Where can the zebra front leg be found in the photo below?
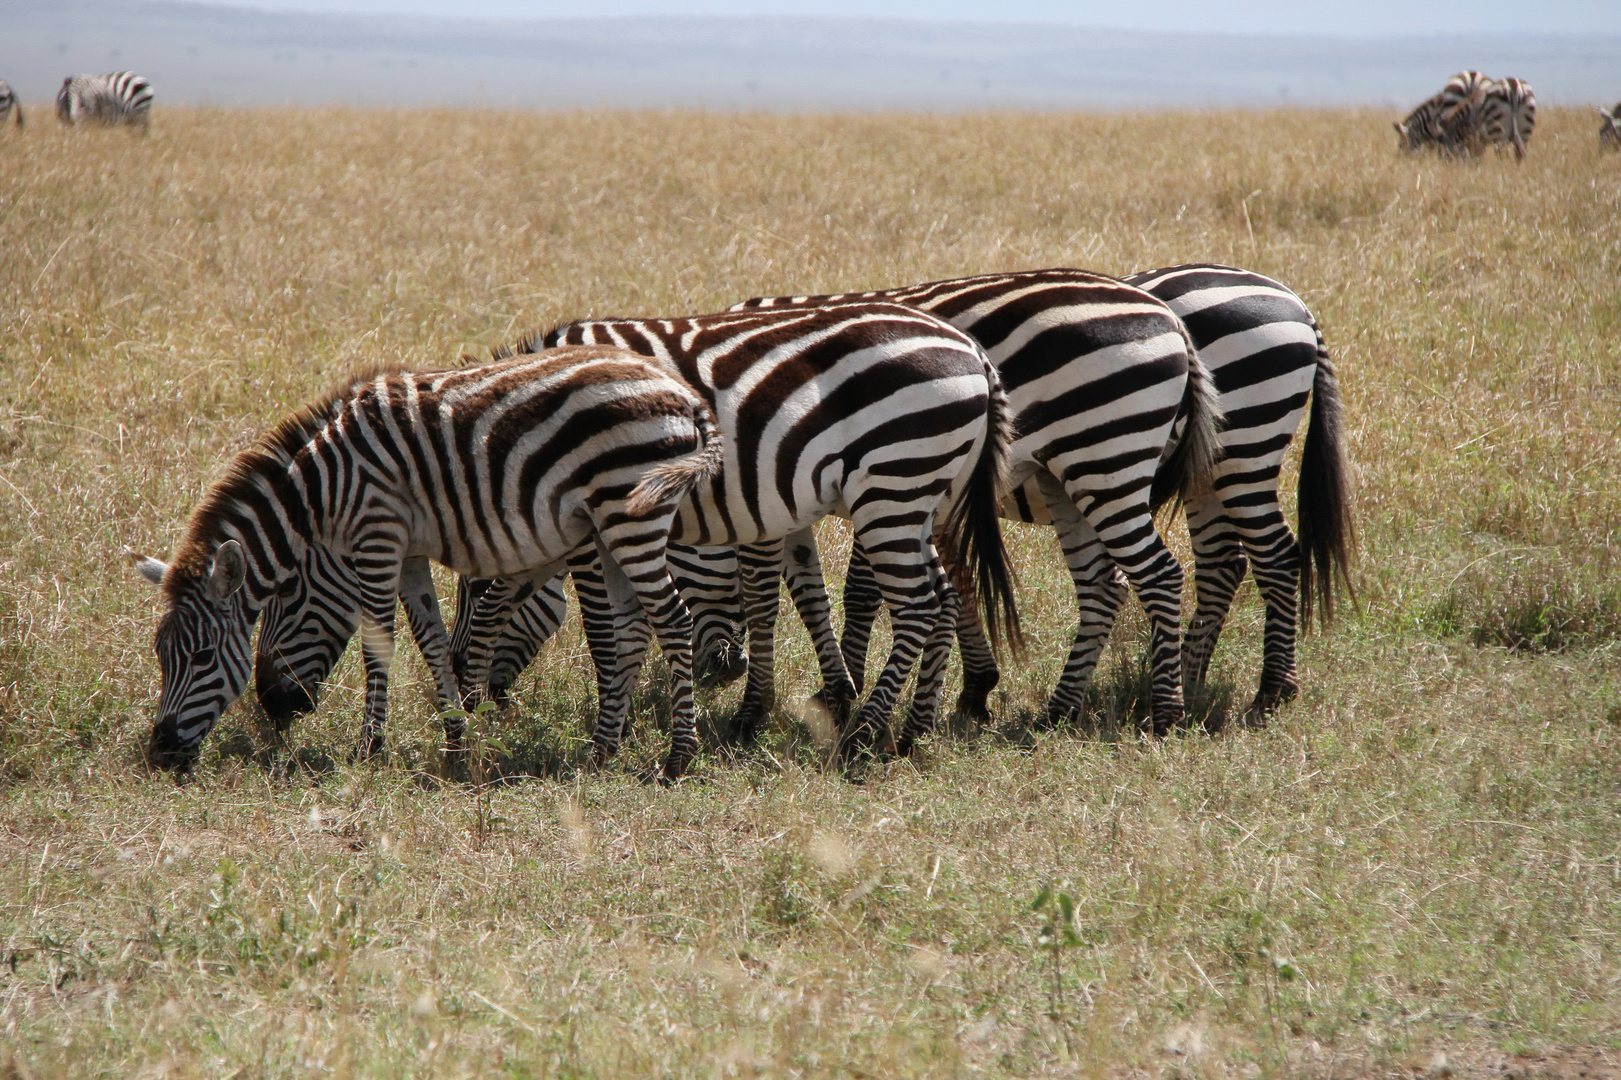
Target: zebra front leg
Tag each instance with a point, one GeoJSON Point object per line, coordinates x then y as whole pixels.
{"type": "Point", "coordinates": [635, 570]}
{"type": "Point", "coordinates": [862, 599]}
{"type": "Point", "coordinates": [428, 630]}
{"type": "Point", "coordinates": [809, 589]}
{"type": "Point", "coordinates": [921, 719]}
{"type": "Point", "coordinates": [760, 566]}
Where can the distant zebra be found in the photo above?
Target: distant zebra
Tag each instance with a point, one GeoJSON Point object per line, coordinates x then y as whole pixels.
{"type": "Point", "coordinates": [8, 102]}
{"type": "Point", "coordinates": [879, 411]}
{"type": "Point", "coordinates": [1609, 135]}
{"type": "Point", "coordinates": [1508, 115]}
{"type": "Point", "coordinates": [121, 97]}
{"type": "Point", "coordinates": [1450, 120]}
{"type": "Point", "coordinates": [496, 470]}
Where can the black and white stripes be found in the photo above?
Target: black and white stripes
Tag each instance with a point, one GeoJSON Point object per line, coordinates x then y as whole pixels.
{"type": "Point", "coordinates": [1609, 133]}
{"type": "Point", "coordinates": [9, 104]}
{"type": "Point", "coordinates": [1473, 112]}
{"type": "Point", "coordinates": [120, 97]}
{"type": "Point", "coordinates": [498, 470]}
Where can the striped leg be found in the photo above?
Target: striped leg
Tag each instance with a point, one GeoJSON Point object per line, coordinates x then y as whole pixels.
{"type": "Point", "coordinates": [1100, 592]}
{"type": "Point", "coordinates": [534, 623]}
{"type": "Point", "coordinates": [1249, 508]}
{"type": "Point", "coordinates": [636, 571]}
{"type": "Point", "coordinates": [761, 569]}
{"type": "Point", "coordinates": [1126, 531]}
{"type": "Point", "coordinates": [931, 673]}
{"type": "Point", "coordinates": [979, 671]}
{"type": "Point", "coordinates": [905, 571]}
{"type": "Point", "coordinates": [377, 570]}
{"type": "Point", "coordinates": [861, 603]}
{"type": "Point", "coordinates": [809, 590]}
{"type": "Point", "coordinates": [428, 629]}
{"type": "Point", "coordinates": [709, 584]}
{"type": "Point", "coordinates": [617, 641]}
{"type": "Point", "coordinates": [1219, 568]}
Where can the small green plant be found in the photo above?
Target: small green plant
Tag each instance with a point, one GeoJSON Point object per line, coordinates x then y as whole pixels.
{"type": "Point", "coordinates": [1054, 936]}
{"type": "Point", "coordinates": [481, 770]}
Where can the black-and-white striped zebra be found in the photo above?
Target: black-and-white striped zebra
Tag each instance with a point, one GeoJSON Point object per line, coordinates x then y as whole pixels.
{"type": "Point", "coordinates": [1108, 392]}
{"type": "Point", "coordinates": [1100, 374]}
{"type": "Point", "coordinates": [858, 408]}
{"type": "Point", "coordinates": [1508, 115]}
{"type": "Point", "coordinates": [873, 410]}
{"type": "Point", "coordinates": [9, 103]}
{"type": "Point", "coordinates": [1267, 357]}
{"type": "Point", "coordinates": [1449, 121]}
{"type": "Point", "coordinates": [497, 470]}
{"type": "Point", "coordinates": [120, 97]}
{"type": "Point", "coordinates": [1609, 133]}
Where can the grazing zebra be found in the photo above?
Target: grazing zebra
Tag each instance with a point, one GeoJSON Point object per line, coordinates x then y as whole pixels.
{"type": "Point", "coordinates": [872, 410]}
{"type": "Point", "coordinates": [863, 408]}
{"type": "Point", "coordinates": [121, 97]}
{"type": "Point", "coordinates": [8, 102]}
{"type": "Point", "coordinates": [1100, 374]}
{"type": "Point", "coordinates": [1508, 115]}
{"type": "Point", "coordinates": [1609, 135]}
{"type": "Point", "coordinates": [1266, 354]}
{"type": "Point", "coordinates": [496, 470]}
{"type": "Point", "coordinates": [1448, 121]}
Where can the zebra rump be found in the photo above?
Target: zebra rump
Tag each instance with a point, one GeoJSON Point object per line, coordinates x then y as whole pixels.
{"type": "Point", "coordinates": [1609, 133]}
{"type": "Point", "coordinates": [120, 97]}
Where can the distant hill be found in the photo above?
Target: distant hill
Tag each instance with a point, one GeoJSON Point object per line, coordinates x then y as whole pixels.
{"type": "Point", "coordinates": [206, 54]}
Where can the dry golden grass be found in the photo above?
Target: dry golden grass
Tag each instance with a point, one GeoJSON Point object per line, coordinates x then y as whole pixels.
{"type": "Point", "coordinates": [1418, 858]}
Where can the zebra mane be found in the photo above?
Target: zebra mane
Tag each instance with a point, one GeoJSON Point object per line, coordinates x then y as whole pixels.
{"type": "Point", "coordinates": [242, 479]}
{"type": "Point", "coordinates": [531, 342]}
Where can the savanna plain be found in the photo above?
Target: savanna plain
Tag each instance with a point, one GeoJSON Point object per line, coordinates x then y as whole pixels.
{"type": "Point", "coordinates": [1415, 869]}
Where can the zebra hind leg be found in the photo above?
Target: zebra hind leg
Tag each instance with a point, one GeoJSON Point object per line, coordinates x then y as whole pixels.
{"type": "Point", "coordinates": [921, 719]}
{"type": "Point", "coordinates": [806, 585]}
{"type": "Point", "coordinates": [761, 568]}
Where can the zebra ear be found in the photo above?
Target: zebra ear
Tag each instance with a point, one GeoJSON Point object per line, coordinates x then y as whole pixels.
{"type": "Point", "coordinates": [151, 569]}
{"type": "Point", "coordinates": [230, 568]}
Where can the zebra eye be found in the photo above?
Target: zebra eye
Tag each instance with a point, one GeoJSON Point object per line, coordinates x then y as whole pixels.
{"type": "Point", "coordinates": [203, 657]}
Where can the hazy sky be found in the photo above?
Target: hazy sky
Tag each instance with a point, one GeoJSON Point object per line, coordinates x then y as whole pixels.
{"type": "Point", "coordinates": [1243, 16]}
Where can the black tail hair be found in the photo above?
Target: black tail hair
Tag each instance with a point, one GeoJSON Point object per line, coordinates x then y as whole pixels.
{"type": "Point", "coordinates": [1186, 468]}
{"type": "Point", "coordinates": [1323, 498]}
{"type": "Point", "coordinates": [970, 540]}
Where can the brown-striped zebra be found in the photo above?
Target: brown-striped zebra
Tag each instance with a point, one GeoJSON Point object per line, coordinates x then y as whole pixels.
{"type": "Point", "coordinates": [497, 470]}
{"type": "Point", "coordinates": [1449, 121]}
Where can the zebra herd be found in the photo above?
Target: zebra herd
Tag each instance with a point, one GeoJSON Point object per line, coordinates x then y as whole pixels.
{"type": "Point", "coordinates": [675, 466]}
{"type": "Point", "coordinates": [120, 97]}
{"type": "Point", "coordinates": [1471, 113]}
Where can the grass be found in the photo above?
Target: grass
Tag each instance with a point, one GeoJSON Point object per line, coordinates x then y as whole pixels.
{"type": "Point", "coordinates": [1413, 869]}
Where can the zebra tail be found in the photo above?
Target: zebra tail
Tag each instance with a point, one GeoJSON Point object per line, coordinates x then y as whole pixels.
{"type": "Point", "coordinates": [1186, 470]}
{"type": "Point", "coordinates": [1323, 498]}
{"type": "Point", "coordinates": [970, 543]}
{"type": "Point", "coordinates": [673, 479]}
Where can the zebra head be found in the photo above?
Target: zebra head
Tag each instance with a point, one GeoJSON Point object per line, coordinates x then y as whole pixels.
{"type": "Point", "coordinates": [202, 647]}
{"type": "Point", "coordinates": [306, 626]}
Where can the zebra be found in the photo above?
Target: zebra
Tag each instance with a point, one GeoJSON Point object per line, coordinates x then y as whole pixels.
{"type": "Point", "coordinates": [120, 97]}
{"type": "Point", "coordinates": [496, 470]}
{"type": "Point", "coordinates": [1266, 354]}
{"type": "Point", "coordinates": [815, 399]}
{"type": "Point", "coordinates": [8, 102]}
{"type": "Point", "coordinates": [1508, 115]}
{"type": "Point", "coordinates": [1609, 134]}
{"type": "Point", "coordinates": [1448, 121]}
{"type": "Point", "coordinates": [1099, 374]}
